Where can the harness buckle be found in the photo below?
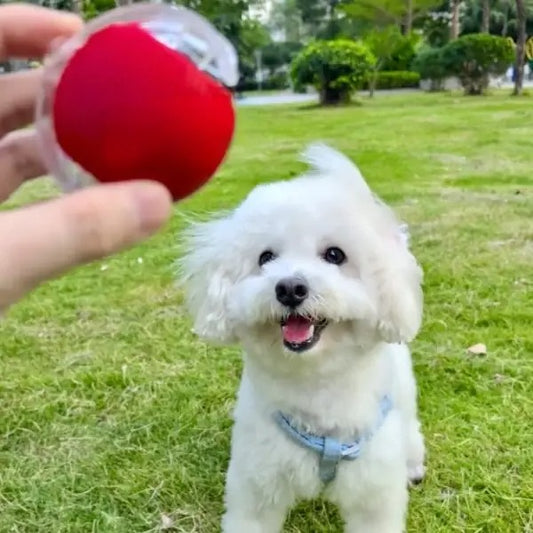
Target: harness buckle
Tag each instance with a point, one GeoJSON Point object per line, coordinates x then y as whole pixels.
{"type": "Point", "coordinates": [330, 458]}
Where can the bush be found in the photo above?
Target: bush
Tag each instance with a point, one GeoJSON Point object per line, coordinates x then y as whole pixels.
{"type": "Point", "coordinates": [429, 63]}
{"type": "Point", "coordinates": [473, 58]}
{"type": "Point", "coordinates": [335, 68]}
{"type": "Point", "coordinates": [403, 54]}
{"type": "Point", "coordinates": [277, 81]}
{"type": "Point", "coordinates": [399, 79]}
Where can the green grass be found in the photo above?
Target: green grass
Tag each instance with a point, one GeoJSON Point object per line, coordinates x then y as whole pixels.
{"type": "Point", "coordinates": [112, 414]}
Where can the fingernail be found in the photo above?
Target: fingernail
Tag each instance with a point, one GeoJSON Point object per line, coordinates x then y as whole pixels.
{"type": "Point", "coordinates": [71, 21]}
{"type": "Point", "coordinates": [153, 204]}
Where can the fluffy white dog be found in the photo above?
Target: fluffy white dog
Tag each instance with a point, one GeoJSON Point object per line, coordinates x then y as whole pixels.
{"type": "Point", "coordinates": [314, 278]}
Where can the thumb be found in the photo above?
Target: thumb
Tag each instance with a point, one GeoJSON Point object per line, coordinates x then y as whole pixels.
{"type": "Point", "coordinates": [45, 240]}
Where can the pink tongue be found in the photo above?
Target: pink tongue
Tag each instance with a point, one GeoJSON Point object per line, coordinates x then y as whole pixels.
{"type": "Point", "coordinates": [297, 330]}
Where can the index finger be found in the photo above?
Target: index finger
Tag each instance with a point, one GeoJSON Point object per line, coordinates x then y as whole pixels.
{"type": "Point", "coordinates": [45, 240]}
{"type": "Point", "coordinates": [27, 30]}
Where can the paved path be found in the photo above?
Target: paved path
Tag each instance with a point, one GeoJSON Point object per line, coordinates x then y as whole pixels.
{"type": "Point", "coordinates": [292, 98]}
{"type": "Point", "coordinates": [274, 99]}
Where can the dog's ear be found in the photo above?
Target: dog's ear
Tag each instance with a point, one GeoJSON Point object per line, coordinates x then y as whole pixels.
{"type": "Point", "coordinates": [399, 287]}
{"type": "Point", "coordinates": [326, 161]}
{"type": "Point", "coordinates": [206, 275]}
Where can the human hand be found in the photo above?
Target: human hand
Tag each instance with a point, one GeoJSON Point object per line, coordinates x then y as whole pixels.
{"type": "Point", "coordinates": [42, 241]}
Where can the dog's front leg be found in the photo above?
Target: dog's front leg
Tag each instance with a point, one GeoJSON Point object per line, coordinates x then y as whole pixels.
{"type": "Point", "coordinates": [384, 521]}
{"type": "Point", "coordinates": [384, 513]}
{"type": "Point", "coordinates": [254, 504]}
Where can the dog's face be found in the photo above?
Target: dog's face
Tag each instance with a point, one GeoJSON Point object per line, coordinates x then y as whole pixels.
{"type": "Point", "coordinates": [305, 266]}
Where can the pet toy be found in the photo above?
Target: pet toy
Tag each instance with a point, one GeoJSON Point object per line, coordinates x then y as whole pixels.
{"type": "Point", "coordinates": [141, 93]}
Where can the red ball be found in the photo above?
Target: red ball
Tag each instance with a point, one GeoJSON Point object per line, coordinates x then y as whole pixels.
{"type": "Point", "coordinates": [128, 107]}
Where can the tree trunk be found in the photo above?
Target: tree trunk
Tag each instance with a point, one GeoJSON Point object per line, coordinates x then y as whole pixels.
{"type": "Point", "coordinates": [329, 96]}
{"type": "Point", "coordinates": [454, 27]}
{"type": "Point", "coordinates": [373, 80]}
{"type": "Point", "coordinates": [521, 18]}
{"type": "Point", "coordinates": [372, 83]}
{"type": "Point", "coordinates": [485, 16]}
{"type": "Point", "coordinates": [408, 28]}
{"type": "Point", "coordinates": [475, 86]}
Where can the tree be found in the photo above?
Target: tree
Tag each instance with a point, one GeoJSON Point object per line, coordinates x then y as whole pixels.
{"type": "Point", "coordinates": [502, 17]}
{"type": "Point", "coordinates": [436, 26]}
{"type": "Point", "coordinates": [402, 13]}
{"type": "Point", "coordinates": [286, 19]}
{"type": "Point", "coordinates": [279, 54]}
{"type": "Point", "coordinates": [313, 12]}
{"type": "Point", "coordinates": [303, 20]}
{"type": "Point", "coordinates": [335, 68]}
{"type": "Point", "coordinates": [252, 38]}
{"type": "Point", "coordinates": [382, 43]}
{"type": "Point", "coordinates": [380, 13]}
{"type": "Point", "coordinates": [521, 15]}
{"type": "Point", "coordinates": [319, 16]}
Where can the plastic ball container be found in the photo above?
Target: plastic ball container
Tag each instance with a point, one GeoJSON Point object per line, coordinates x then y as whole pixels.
{"type": "Point", "coordinates": [183, 33]}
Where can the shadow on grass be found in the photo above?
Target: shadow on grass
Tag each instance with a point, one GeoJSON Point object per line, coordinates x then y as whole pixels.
{"type": "Point", "coordinates": [315, 514]}
{"type": "Point", "coordinates": [315, 105]}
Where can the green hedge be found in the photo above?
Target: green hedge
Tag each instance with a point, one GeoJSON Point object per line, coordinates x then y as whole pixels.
{"type": "Point", "coordinates": [396, 79]}
{"type": "Point", "coordinates": [472, 58]}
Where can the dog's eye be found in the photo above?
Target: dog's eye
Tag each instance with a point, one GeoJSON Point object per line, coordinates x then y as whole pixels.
{"type": "Point", "coordinates": [266, 256]}
{"type": "Point", "coordinates": [334, 256]}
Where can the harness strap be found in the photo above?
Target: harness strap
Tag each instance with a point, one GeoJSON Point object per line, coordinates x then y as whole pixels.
{"type": "Point", "coordinates": [330, 450]}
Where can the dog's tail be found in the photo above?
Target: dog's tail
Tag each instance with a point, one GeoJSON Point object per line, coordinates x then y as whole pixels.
{"type": "Point", "coordinates": [325, 160]}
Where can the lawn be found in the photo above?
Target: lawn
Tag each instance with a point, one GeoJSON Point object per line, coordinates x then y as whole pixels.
{"type": "Point", "coordinates": [115, 418]}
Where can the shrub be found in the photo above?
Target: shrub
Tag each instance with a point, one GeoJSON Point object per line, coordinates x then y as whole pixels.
{"type": "Point", "coordinates": [473, 58]}
{"type": "Point", "coordinates": [275, 82]}
{"type": "Point", "coordinates": [429, 63]}
{"type": "Point", "coordinates": [278, 80]}
{"type": "Point", "coordinates": [399, 79]}
{"type": "Point", "coordinates": [276, 55]}
{"type": "Point", "coordinates": [335, 68]}
{"type": "Point", "coordinates": [402, 55]}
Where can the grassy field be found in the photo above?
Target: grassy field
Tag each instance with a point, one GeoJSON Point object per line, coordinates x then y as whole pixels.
{"type": "Point", "coordinates": [114, 418]}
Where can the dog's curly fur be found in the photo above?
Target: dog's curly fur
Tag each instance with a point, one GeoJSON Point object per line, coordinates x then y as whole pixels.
{"type": "Point", "coordinates": [373, 305]}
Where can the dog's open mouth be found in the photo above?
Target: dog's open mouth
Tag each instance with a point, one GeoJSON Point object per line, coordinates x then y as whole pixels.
{"type": "Point", "coordinates": [301, 333]}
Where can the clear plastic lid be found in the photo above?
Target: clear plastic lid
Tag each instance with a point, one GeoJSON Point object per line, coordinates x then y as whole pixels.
{"type": "Point", "coordinates": [178, 28]}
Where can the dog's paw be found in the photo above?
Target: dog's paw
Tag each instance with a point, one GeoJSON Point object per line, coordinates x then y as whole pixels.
{"type": "Point", "coordinates": [416, 473]}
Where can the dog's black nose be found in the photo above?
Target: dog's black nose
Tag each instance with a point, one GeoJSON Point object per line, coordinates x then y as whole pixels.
{"type": "Point", "coordinates": [291, 291]}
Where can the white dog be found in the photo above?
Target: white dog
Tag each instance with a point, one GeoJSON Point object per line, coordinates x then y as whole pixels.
{"type": "Point", "coordinates": [314, 278]}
